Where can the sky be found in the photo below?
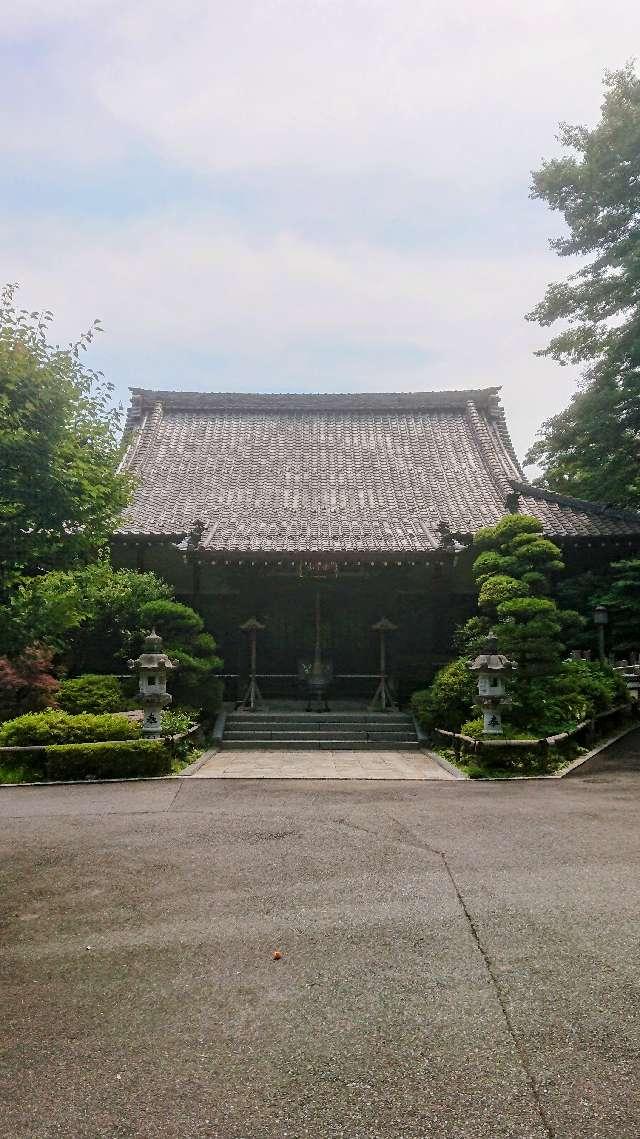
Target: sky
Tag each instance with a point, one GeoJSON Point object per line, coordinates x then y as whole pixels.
{"type": "Point", "coordinates": [298, 195]}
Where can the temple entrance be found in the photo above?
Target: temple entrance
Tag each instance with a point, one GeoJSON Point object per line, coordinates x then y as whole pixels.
{"type": "Point", "coordinates": [315, 678]}
{"type": "Point", "coordinates": [416, 599]}
{"type": "Point", "coordinates": [424, 599]}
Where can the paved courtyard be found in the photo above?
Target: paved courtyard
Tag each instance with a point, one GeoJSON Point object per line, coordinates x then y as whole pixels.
{"type": "Point", "coordinates": [459, 960]}
{"type": "Point", "coordinates": [320, 764]}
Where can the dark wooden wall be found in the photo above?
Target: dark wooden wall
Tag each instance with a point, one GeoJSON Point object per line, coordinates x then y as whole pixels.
{"type": "Point", "coordinates": [425, 601]}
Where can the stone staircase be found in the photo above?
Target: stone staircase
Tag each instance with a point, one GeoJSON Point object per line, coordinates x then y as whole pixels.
{"type": "Point", "coordinates": [331, 731]}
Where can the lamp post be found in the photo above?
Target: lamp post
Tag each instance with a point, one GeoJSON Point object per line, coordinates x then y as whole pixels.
{"type": "Point", "coordinates": [382, 694]}
{"type": "Point", "coordinates": [253, 694]}
{"type": "Point", "coordinates": [601, 619]}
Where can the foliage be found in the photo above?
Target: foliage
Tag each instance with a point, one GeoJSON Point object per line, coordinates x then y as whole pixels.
{"type": "Point", "coordinates": [591, 448]}
{"type": "Point", "coordinates": [20, 773]}
{"type": "Point", "coordinates": [61, 492]}
{"type": "Point", "coordinates": [505, 762]}
{"type": "Point", "coordinates": [128, 759]}
{"type": "Point", "coordinates": [175, 721]}
{"type": "Point", "coordinates": [474, 729]}
{"type": "Point", "coordinates": [194, 683]}
{"type": "Point", "coordinates": [90, 615]}
{"type": "Point", "coordinates": [514, 569]}
{"type": "Point", "coordinates": [26, 683]}
{"type": "Point", "coordinates": [176, 623]}
{"type": "Point", "coordinates": [597, 685]}
{"type": "Point", "coordinates": [578, 691]}
{"type": "Point", "coordinates": [91, 693]}
{"type": "Point", "coordinates": [95, 616]}
{"type": "Point", "coordinates": [622, 598]}
{"type": "Point", "coordinates": [53, 727]}
{"type": "Point", "coordinates": [447, 702]}
{"type": "Point", "coordinates": [549, 695]}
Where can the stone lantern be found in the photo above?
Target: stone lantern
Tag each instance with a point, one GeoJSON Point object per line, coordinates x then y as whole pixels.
{"type": "Point", "coordinates": [492, 668]}
{"type": "Point", "coordinates": [152, 666]}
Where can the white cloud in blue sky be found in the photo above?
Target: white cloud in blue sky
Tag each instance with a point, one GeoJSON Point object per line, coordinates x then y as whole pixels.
{"type": "Point", "coordinates": [309, 195]}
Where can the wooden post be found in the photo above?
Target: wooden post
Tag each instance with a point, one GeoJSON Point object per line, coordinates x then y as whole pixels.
{"type": "Point", "coordinates": [252, 695]}
{"type": "Point", "coordinates": [382, 696]}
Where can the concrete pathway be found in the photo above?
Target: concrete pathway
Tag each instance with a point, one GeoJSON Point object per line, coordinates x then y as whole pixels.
{"type": "Point", "coordinates": [320, 765]}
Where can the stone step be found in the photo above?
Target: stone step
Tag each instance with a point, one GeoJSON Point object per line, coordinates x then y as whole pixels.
{"type": "Point", "coordinates": [308, 718]}
{"type": "Point", "coordinates": [334, 730]}
{"type": "Point", "coordinates": [323, 721]}
{"type": "Point", "coordinates": [329, 745]}
{"type": "Point", "coordinates": [289, 731]}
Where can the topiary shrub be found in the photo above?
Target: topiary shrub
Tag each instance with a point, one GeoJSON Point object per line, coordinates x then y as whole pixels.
{"type": "Point", "coordinates": [514, 570]}
{"type": "Point", "coordinates": [175, 622]}
{"type": "Point", "coordinates": [55, 727]}
{"type": "Point", "coordinates": [194, 684]}
{"type": "Point", "coordinates": [125, 760]}
{"type": "Point", "coordinates": [448, 702]}
{"type": "Point", "coordinates": [91, 693]}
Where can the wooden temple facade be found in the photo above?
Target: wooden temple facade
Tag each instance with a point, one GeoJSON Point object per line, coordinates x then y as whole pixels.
{"type": "Point", "coordinates": [351, 507]}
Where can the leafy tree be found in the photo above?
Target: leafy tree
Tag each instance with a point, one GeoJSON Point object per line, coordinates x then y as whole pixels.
{"type": "Point", "coordinates": [90, 615]}
{"type": "Point", "coordinates": [26, 682]}
{"type": "Point", "coordinates": [591, 449]}
{"type": "Point", "coordinates": [622, 598]}
{"type": "Point", "coordinates": [94, 618]}
{"type": "Point", "coordinates": [61, 493]}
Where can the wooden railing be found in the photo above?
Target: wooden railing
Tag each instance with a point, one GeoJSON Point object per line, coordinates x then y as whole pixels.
{"type": "Point", "coordinates": [587, 728]}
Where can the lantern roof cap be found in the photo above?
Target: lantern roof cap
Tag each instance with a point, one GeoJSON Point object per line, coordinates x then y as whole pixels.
{"type": "Point", "coordinates": [490, 660]}
{"type": "Point", "coordinates": [152, 655]}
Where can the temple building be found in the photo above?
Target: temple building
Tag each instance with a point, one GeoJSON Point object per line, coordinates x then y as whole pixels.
{"type": "Point", "coordinates": [330, 512]}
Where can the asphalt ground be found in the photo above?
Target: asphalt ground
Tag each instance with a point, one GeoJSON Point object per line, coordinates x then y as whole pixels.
{"type": "Point", "coordinates": [459, 959]}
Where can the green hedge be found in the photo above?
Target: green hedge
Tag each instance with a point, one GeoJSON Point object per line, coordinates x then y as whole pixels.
{"type": "Point", "coordinates": [55, 727]}
{"type": "Point", "coordinates": [120, 760]}
{"type": "Point", "coordinates": [90, 693]}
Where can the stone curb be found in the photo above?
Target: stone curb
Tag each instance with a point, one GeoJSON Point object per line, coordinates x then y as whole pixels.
{"type": "Point", "coordinates": [197, 764]}
{"type": "Point", "coordinates": [96, 782]}
{"type": "Point", "coordinates": [595, 751]}
{"type": "Point", "coordinates": [444, 763]}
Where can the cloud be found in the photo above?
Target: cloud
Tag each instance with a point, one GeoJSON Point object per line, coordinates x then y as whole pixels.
{"type": "Point", "coordinates": [286, 312]}
{"type": "Point", "coordinates": [428, 85]}
{"type": "Point", "coordinates": [297, 193]}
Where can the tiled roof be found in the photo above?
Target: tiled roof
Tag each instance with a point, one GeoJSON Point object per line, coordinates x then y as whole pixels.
{"type": "Point", "coordinates": [363, 472]}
